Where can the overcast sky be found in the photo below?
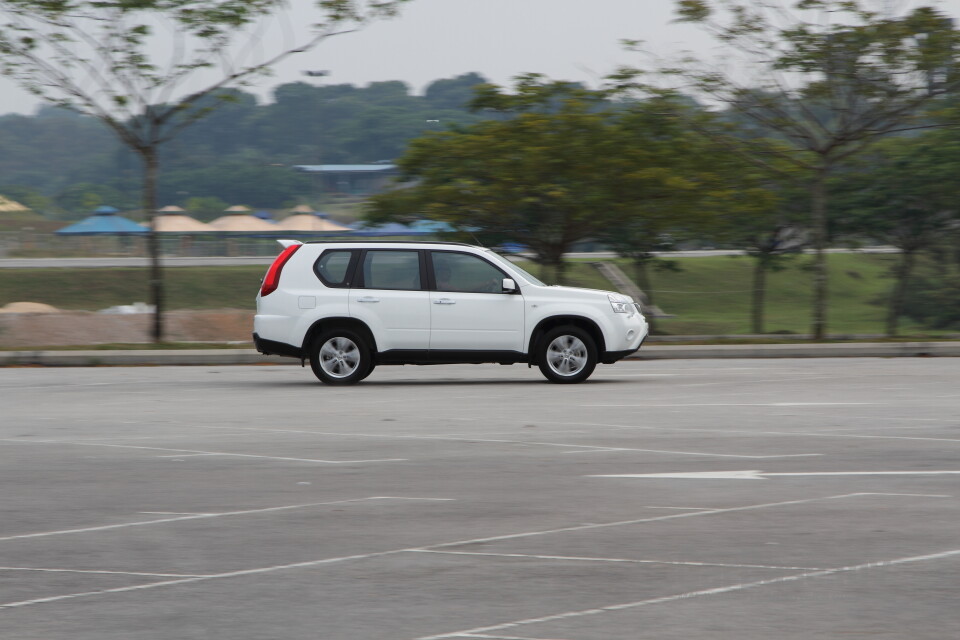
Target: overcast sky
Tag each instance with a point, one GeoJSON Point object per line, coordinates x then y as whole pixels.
{"type": "Point", "coordinates": [563, 39]}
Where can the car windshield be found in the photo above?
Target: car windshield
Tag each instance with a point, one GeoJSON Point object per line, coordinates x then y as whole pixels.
{"type": "Point", "coordinates": [515, 267]}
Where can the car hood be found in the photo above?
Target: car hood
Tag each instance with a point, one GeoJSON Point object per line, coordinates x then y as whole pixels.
{"type": "Point", "coordinates": [560, 291]}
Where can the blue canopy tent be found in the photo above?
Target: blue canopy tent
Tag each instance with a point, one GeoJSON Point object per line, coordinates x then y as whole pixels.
{"type": "Point", "coordinates": [105, 232]}
{"type": "Point", "coordinates": [104, 221]}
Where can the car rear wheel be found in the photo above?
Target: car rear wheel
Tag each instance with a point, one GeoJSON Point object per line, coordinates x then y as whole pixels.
{"type": "Point", "coordinates": [567, 355]}
{"type": "Point", "coordinates": [340, 357]}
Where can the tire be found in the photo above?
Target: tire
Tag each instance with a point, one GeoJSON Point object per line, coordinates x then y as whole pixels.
{"type": "Point", "coordinates": [567, 355]}
{"type": "Point", "coordinates": [369, 371]}
{"type": "Point", "coordinates": [340, 357]}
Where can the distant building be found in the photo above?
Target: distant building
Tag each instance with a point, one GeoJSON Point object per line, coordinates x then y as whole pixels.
{"type": "Point", "coordinates": [351, 179]}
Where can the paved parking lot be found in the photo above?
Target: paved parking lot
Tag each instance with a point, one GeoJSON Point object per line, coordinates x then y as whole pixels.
{"type": "Point", "coordinates": [734, 499]}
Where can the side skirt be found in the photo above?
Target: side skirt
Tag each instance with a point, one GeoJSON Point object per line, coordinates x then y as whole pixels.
{"type": "Point", "coordinates": [412, 356]}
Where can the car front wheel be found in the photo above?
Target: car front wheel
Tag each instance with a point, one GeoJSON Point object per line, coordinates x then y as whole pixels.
{"type": "Point", "coordinates": [567, 355]}
{"type": "Point", "coordinates": [340, 357]}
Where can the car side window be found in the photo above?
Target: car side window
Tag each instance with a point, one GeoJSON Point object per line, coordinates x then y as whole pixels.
{"type": "Point", "coordinates": [391, 269]}
{"type": "Point", "coordinates": [334, 267]}
{"type": "Point", "coordinates": [463, 272]}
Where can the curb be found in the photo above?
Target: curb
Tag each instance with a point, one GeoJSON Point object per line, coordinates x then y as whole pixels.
{"type": "Point", "coordinates": [836, 350]}
{"type": "Point", "coordinates": [193, 357]}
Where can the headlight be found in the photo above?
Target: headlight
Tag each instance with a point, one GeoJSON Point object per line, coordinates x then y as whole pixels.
{"type": "Point", "coordinates": [620, 304]}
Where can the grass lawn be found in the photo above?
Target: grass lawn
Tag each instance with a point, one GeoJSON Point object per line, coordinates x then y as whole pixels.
{"type": "Point", "coordinates": [708, 296]}
{"type": "Point", "coordinates": [711, 295]}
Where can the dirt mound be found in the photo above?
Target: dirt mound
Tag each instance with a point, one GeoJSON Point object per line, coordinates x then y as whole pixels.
{"type": "Point", "coordinates": [28, 307]}
{"type": "Point", "coordinates": [22, 330]}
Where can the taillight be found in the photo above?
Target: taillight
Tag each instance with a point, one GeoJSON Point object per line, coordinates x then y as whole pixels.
{"type": "Point", "coordinates": [272, 280]}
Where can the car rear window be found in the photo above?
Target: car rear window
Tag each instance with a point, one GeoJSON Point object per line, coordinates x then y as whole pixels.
{"type": "Point", "coordinates": [333, 267]}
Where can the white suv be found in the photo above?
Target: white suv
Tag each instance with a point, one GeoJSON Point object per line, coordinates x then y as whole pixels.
{"type": "Point", "coordinates": [349, 306]}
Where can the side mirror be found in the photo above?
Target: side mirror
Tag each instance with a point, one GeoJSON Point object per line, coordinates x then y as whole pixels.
{"type": "Point", "coordinates": [509, 286]}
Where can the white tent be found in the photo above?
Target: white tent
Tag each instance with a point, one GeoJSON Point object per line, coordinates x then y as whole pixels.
{"type": "Point", "coordinates": [173, 219]}
{"type": "Point", "coordinates": [6, 204]}
{"type": "Point", "coordinates": [312, 221]}
{"type": "Point", "coordinates": [238, 218]}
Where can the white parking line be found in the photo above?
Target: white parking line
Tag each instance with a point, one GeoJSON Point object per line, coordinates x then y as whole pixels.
{"type": "Point", "coordinates": [674, 516]}
{"type": "Point", "coordinates": [201, 516]}
{"type": "Point", "coordinates": [119, 573]}
{"type": "Point", "coordinates": [623, 560]}
{"type": "Point", "coordinates": [695, 594]}
{"type": "Point", "coordinates": [738, 404]}
{"type": "Point", "coordinates": [801, 434]}
{"type": "Point", "coordinates": [583, 448]}
{"type": "Point", "coordinates": [486, 637]}
{"type": "Point", "coordinates": [212, 453]}
{"type": "Point", "coordinates": [697, 453]}
{"type": "Point", "coordinates": [378, 554]}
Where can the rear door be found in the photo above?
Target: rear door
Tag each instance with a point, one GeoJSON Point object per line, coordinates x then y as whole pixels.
{"type": "Point", "coordinates": [390, 296]}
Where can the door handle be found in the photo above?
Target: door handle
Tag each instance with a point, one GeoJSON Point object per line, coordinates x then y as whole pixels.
{"type": "Point", "coordinates": [368, 299]}
{"type": "Point", "coordinates": [444, 301]}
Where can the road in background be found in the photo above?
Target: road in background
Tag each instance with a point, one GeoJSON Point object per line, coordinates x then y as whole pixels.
{"type": "Point", "coordinates": [79, 263]}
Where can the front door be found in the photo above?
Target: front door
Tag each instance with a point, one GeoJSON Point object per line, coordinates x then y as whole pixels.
{"type": "Point", "coordinates": [468, 309]}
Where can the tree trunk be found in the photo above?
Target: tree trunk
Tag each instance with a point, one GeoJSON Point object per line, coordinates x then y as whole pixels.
{"type": "Point", "coordinates": [895, 309]}
{"type": "Point", "coordinates": [642, 275]}
{"type": "Point", "coordinates": [150, 167]}
{"type": "Point", "coordinates": [759, 294]}
{"type": "Point", "coordinates": [553, 262]}
{"type": "Point", "coordinates": [819, 220]}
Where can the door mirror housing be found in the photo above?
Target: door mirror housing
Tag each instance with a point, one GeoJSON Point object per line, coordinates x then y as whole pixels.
{"type": "Point", "coordinates": [509, 286]}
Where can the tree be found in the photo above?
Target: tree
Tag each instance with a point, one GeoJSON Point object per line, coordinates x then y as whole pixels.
{"type": "Point", "coordinates": [94, 57]}
{"type": "Point", "coordinates": [205, 208]}
{"type": "Point", "coordinates": [904, 193]}
{"type": "Point", "coordinates": [677, 186]}
{"type": "Point", "coordinates": [762, 214]}
{"type": "Point", "coordinates": [826, 78]}
{"type": "Point", "coordinates": [453, 93]}
{"type": "Point", "coordinates": [541, 174]}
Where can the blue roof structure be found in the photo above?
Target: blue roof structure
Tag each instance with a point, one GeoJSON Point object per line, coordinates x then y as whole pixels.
{"type": "Point", "coordinates": [432, 226]}
{"type": "Point", "coordinates": [344, 168]}
{"type": "Point", "coordinates": [104, 221]}
{"type": "Point", "coordinates": [388, 229]}
{"type": "Point", "coordinates": [417, 228]}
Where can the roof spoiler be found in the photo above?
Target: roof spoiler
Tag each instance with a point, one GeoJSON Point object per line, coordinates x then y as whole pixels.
{"type": "Point", "coordinates": [288, 243]}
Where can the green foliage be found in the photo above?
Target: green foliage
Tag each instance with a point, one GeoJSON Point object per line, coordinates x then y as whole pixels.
{"type": "Point", "coordinates": [542, 176]}
{"type": "Point", "coordinates": [935, 303]}
{"type": "Point", "coordinates": [205, 209]}
{"type": "Point", "coordinates": [84, 197]}
{"type": "Point", "coordinates": [559, 164]}
{"type": "Point", "coordinates": [827, 80]}
{"type": "Point", "coordinates": [902, 193]}
{"type": "Point", "coordinates": [329, 124]}
{"type": "Point", "coordinates": [29, 198]}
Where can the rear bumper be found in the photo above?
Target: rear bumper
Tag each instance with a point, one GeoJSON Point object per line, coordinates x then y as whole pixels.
{"type": "Point", "coordinates": [274, 348]}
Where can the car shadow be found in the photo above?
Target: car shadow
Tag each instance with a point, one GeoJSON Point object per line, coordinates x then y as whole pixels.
{"type": "Point", "coordinates": [450, 382]}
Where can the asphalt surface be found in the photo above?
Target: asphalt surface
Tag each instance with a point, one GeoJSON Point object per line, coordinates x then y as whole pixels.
{"type": "Point", "coordinates": [251, 502]}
